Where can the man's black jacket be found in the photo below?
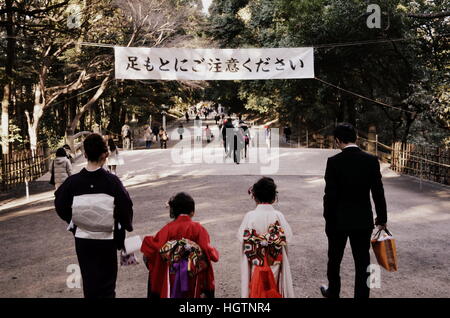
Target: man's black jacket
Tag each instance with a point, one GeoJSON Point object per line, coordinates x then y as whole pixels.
{"type": "Point", "coordinates": [350, 177]}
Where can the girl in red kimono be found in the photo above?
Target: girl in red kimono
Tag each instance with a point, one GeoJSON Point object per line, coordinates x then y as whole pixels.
{"type": "Point", "coordinates": [179, 256]}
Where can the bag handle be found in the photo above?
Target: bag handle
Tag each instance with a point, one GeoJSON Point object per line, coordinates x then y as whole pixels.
{"type": "Point", "coordinates": [378, 233]}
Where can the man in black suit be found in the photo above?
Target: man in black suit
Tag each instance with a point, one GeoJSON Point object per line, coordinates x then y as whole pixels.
{"type": "Point", "coordinates": [350, 177]}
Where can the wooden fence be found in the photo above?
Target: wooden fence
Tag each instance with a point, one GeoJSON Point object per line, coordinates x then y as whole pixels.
{"type": "Point", "coordinates": [426, 163]}
{"type": "Point", "coordinates": [429, 163]}
{"type": "Point", "coordinates": [21, 166]}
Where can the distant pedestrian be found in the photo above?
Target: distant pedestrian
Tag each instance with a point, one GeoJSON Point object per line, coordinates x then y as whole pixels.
{"type": "Point", "coordinates": [186, 115]}
{"type": "Point", "coordinates": [238, 144]}
{"type": "Point", "coordinates": [267, 134]}
{"type": "Point", "coordinates": [155, 131]}
{"type": "Point", "coordinates": [113, 159]}
{"type": "Point", "coordinates": [148, 136]}
{"type": "Point", "coordinates": [246, 134]}
{"type": "Point", "coordinates": [61, 167]}
{"type": "Point", "coordinates": [198, 129]}
{"type": "Point", "coordinates": [163, 138]}
{"type": "Point", "coordinates": [208, 134]}
{"type": "Point", "coordinates": [126, 137]}
{"type": "Point", "coordinates": [287, 133]}
{"type": "Point", "coordinates": [68, 155]}
{"type": "Point", "coordinates": [227, 136]}
{"type": "Point", "coordinates": [181, 131]}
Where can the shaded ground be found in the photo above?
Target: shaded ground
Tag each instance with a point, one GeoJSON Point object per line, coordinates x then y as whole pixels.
{"type": "Point", "coordinates": [36, 249]}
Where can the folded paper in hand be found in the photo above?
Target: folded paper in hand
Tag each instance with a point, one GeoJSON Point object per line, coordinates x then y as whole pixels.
{"type": "Point", "coordinates": [133, 244]}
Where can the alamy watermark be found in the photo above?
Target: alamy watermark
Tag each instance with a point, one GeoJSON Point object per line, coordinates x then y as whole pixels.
{"type": "Point", "coordinates": [374, 19]}
{"type": "Point", "coordinates": [74, 279]}
{"type": "Point", "coordinates": [74, 18]}
{"type": "Point", "coordinates": [374, 279]}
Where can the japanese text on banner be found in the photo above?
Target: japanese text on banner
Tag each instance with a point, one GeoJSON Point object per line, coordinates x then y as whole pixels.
{"type": "Point", "coordinates": [213, 64]}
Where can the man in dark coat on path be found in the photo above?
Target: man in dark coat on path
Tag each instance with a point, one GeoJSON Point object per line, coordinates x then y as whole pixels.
{"type": "Point", "coordinates": [350, 178]}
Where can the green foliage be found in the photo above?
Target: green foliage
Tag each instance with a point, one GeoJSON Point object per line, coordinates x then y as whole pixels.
{"type": "Point", "coordinates": [411, 74]}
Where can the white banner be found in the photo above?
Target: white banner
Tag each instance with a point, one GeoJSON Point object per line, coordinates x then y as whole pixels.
{"type": "Point", "coordinates": [213, 64]}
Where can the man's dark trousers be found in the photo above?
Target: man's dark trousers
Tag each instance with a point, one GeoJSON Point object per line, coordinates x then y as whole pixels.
{"type": "Point", "coordinates": [360, 244]}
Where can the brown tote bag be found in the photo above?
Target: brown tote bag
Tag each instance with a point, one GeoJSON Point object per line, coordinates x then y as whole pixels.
{"type": "Point", "coordinates": [385, 250]}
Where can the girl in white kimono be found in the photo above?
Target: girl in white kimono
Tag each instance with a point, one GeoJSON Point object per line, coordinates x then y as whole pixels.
{"type": "Point", "coordinates": [264, 235]}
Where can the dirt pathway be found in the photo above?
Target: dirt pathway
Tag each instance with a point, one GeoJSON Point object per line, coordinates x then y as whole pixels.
{"type": "Point", "coordinates": [36, 249]}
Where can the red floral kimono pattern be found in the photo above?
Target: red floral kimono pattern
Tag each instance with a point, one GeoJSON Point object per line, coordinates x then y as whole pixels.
{"type": "Point", "coordinates": [161, 278]}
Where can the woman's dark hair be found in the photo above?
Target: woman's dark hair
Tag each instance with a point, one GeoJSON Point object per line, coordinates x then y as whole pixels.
{"type": "Point", "coordinates": [111, 144]}
{"type": "Point", "coordinates": [345, 133]}
{"type": "Point", "coordinates": [94, 147]}
{"type": "Point", "coordinates": [181, 203]}
{"type": "Point", "coordinates": [265, 190]}
{"type": "Point", "coordinates": [61, 152]}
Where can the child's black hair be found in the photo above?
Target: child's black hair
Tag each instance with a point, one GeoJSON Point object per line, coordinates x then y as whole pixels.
{"type": "Point", "coordinates": [181, 203]}
{"type": "Point", "coordinates": [265, 190]}
{"type": "Point", "coordinates": [111, 144]}
{"type": "Point", "coordinates": [61, 152]}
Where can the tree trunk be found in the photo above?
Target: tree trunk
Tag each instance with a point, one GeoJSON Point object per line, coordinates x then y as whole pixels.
{"type": "Point", "coordinates": [33, 121]}
{"type": "Point", "coordinates": [10, 58]}
{"type": "Point", "coordinates": [5, 118]}
{"type": "Point", "coordinates": [32, 133]}
{"type": "Point", "coordinates": [86, 107]}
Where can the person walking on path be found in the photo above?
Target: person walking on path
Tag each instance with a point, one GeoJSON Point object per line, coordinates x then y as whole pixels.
{"type": "Point", "coordinates": [198, 129]}
{"type": "Point", "coordinates": [126, 137]}
{"type": "Point", "coordinates": [238, 144]}
{"type": "Point", "coordinates": [98, 210]}
{"type": "Point", "coordinates": [186, 115]}
{"type": "Point", "coordinates": [181, 131]}
{"type": "Point", "coordinates": [350, 177]}
{"type": "Point", "coordinates": [265, 235]}
{"type": "Point", "coordinates": [148, 136]}
{"type": "Point", "coordinates": [208, 134]}
{"type": "Point", "coordinates": [246, 134]}
{"type": "Point", "coordinates": [61, 167]}
{"type": "Point", "coordinates": [113, 159]}
{"type": "Point", "coordinates": [287, 133]}
{"type": "Point", "coordinates": [163, 138]}
{"type": "Point", "coordinates": [228, 136]}
{"type": "Point", "coordinates": [267, 134]}
{"type": "Point", "coordinates": [172, 273]}
{"type": "Point", "coordinates": [155, 131]}
{"type": "Point", "coordinates": [68, 155]}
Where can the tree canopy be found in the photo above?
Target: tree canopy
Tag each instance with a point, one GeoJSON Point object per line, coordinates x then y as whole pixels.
{"type": "Point", "coordinates": [404, 63]}
{"type": "Point", "coordinates": [56, 64]}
